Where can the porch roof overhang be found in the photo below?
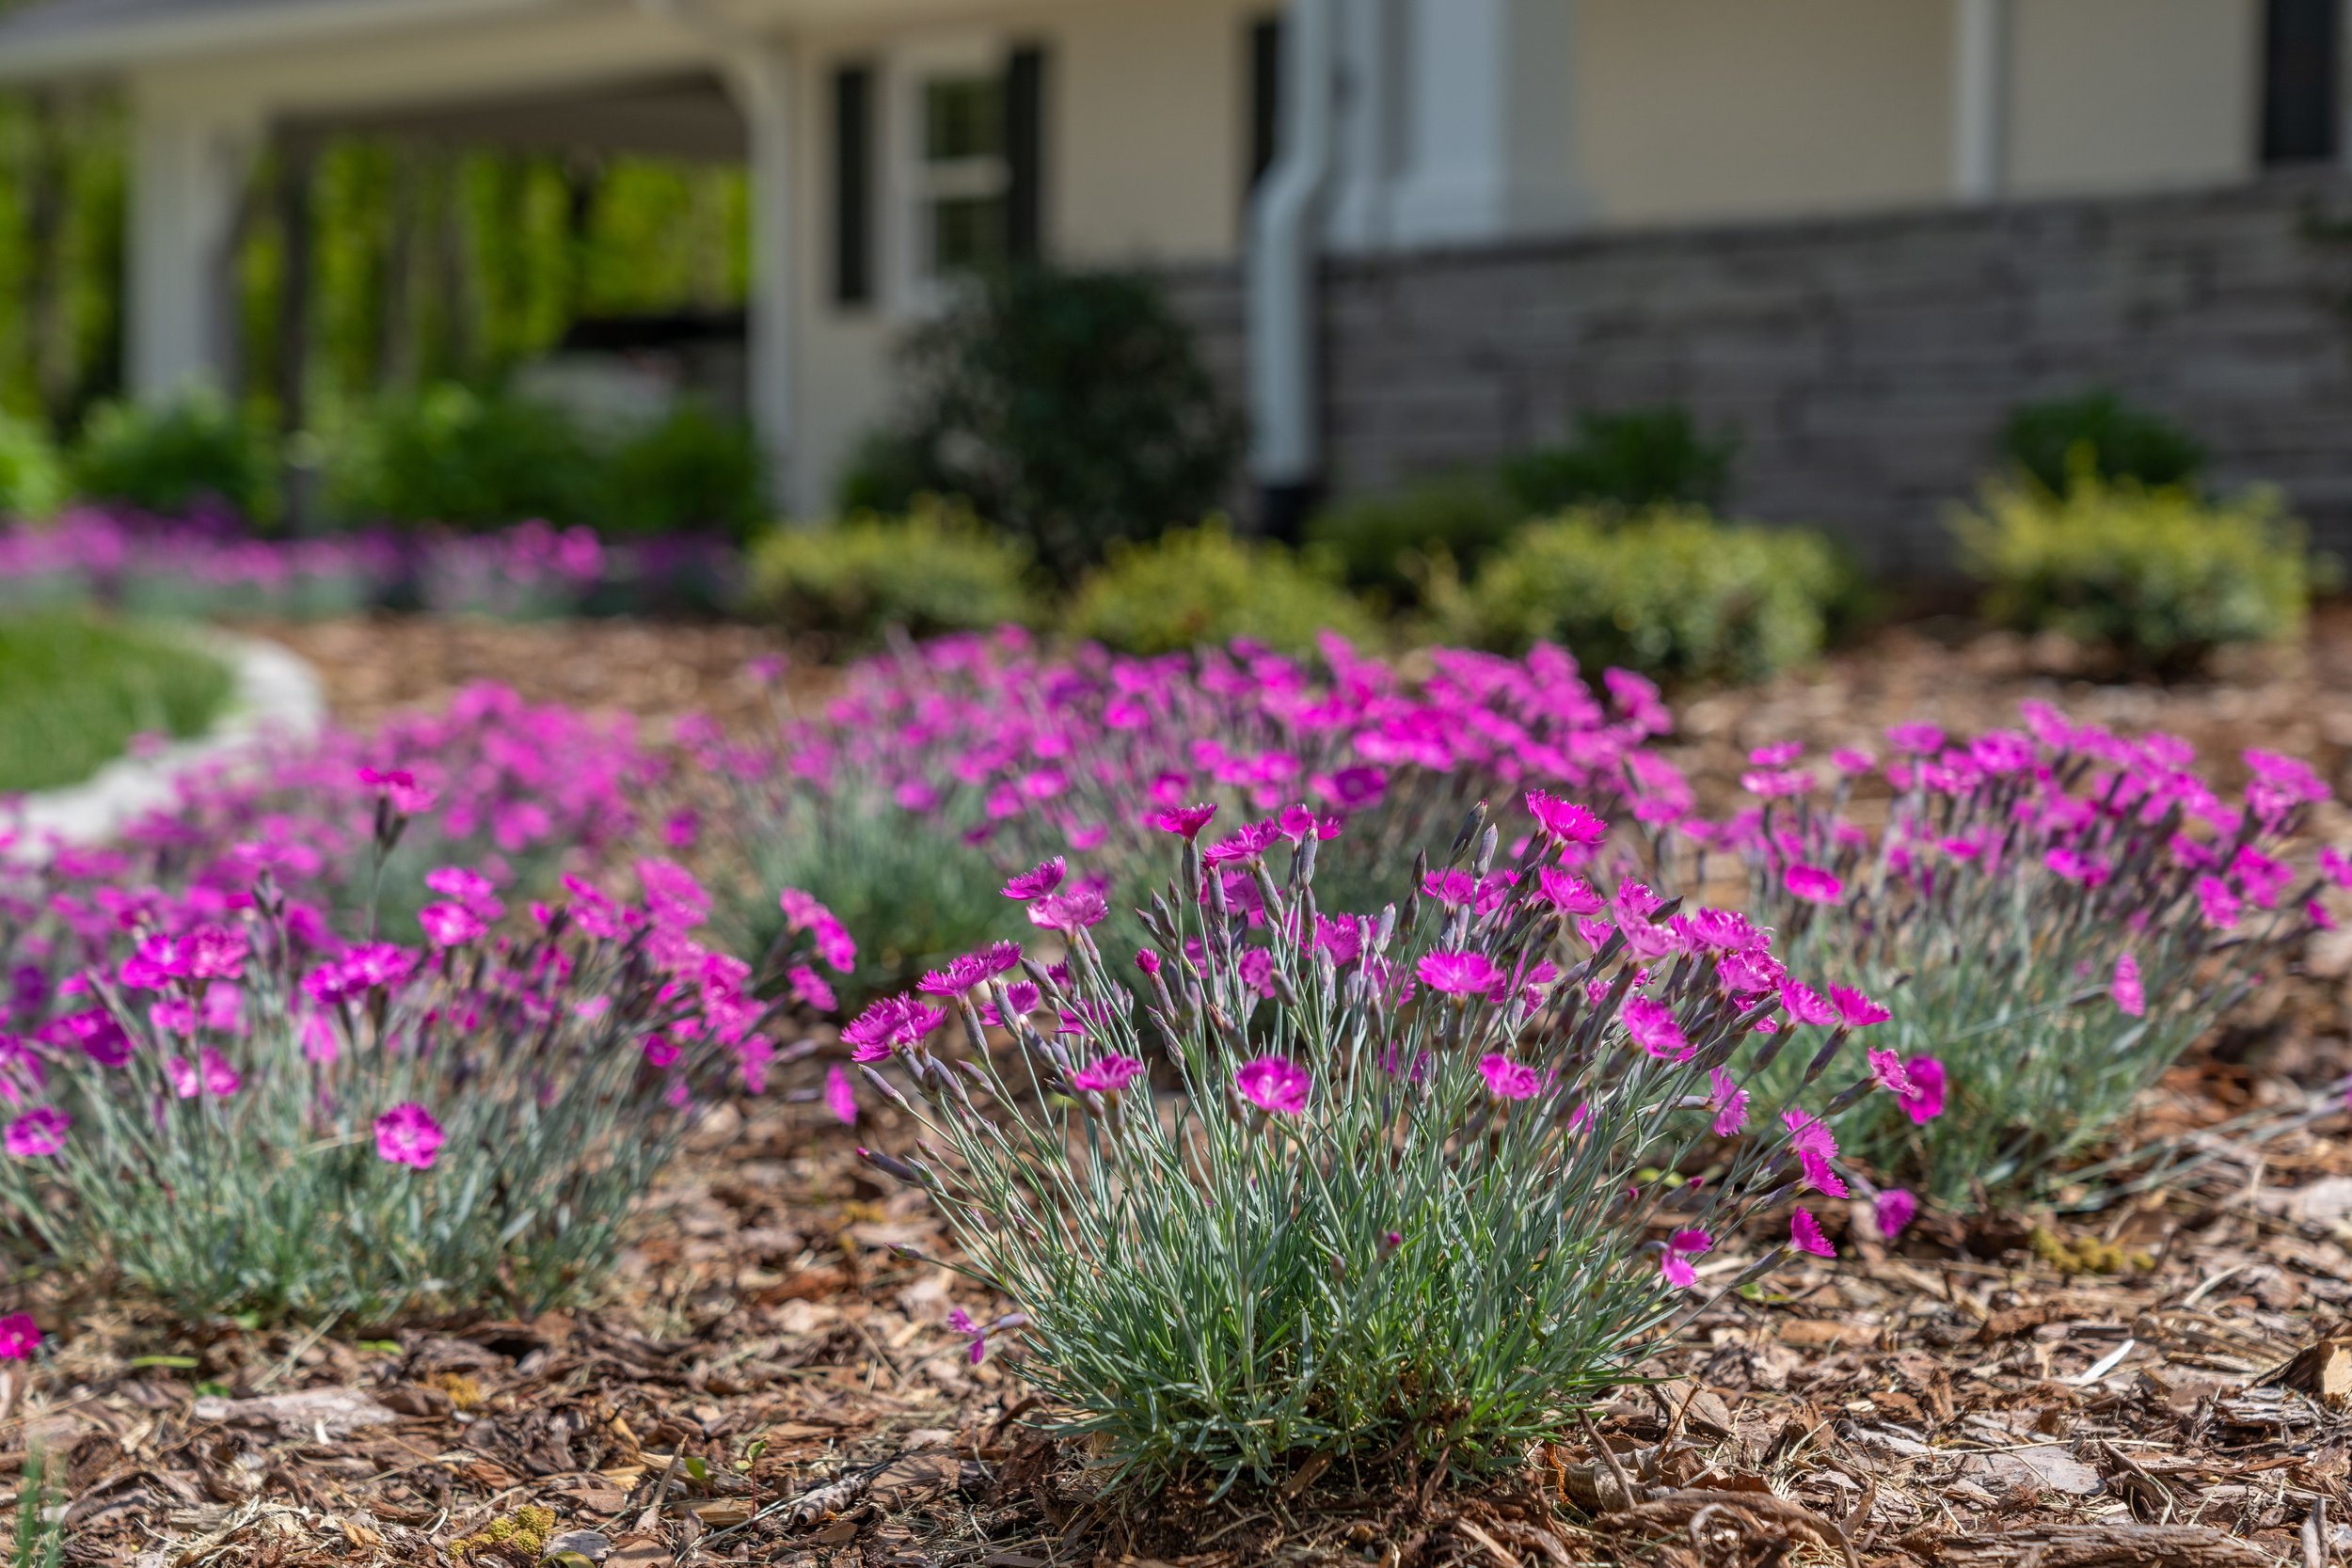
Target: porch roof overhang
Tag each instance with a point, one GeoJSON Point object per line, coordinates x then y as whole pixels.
{"type": "Point", "coordinates": [97, 38]}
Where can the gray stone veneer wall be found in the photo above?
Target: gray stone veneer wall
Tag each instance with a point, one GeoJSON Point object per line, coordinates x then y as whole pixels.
{"type": "Point", "coordinates": [1866, 363]}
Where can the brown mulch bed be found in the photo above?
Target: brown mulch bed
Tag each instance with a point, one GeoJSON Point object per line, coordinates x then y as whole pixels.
{"type": "Point", "coordinates": [773, 1382]}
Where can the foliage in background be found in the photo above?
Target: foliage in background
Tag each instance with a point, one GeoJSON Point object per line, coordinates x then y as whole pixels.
{"type": "Point", "coordinates": [1407, 1206]}
{"type": "Point", "coordinates": [691, 472]}
{"type": "Point", "coordinates": [2058, 441]}
{"type": "Point", "coordinates": [75, 689]}
{"type": "Point", "coordinates": [33, 482]}
{"type": "Point", "coordinates": [464, 459]}
{"type": "Point", "coordinates": [1635, 459]}
{"type": "Point", "coordinates": [848, 583]}
{"type": "Point", "coordinates": [1070, 409]}
{"type": "Point", "coordinates": [1196, 586]}
{"type": "Point", "coordinates": [2053, 917]}
{"type": "Point", "coordinates": [1387, 545]}
{"type": "Point", "coordinates": [193, 455]}
{"type": "Point", "coordinates": [2158, 578]}
{"type": "Point", "coordinates": [1672, 593]}
{"type": "Point", "coordinates": [62, 214]}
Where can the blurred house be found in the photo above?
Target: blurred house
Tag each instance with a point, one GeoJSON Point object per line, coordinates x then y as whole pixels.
{"type": "Point", "coordinates": [1416, 230]}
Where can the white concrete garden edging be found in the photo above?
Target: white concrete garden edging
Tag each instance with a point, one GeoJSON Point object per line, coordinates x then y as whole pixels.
{"type": "Point", "coordinates": [275, 698]}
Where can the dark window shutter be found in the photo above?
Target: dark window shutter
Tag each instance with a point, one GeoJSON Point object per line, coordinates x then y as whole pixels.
{"type": "Point", "coordinates": [2299, 64]}
{"type": "Point", "coordinates": [1265, 95]}
{"type": "Point", "coordinates": [1025, 154]}
{"type": "Point", "coordinates": [853, 185]}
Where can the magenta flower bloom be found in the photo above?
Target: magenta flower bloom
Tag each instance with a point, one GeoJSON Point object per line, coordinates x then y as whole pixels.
{"type": "Point", "coordinates": [1805, 1235]}
{"type": "Point", "coordinates": [810, 989]}
{"type": "Point", "coordinates": [1509, 1080]}
{"type": "Point", "coordinates": [448, 924]}
{"type": "Point", "coordinates": [1812, 884]}
{"type": "Point", "coordinates": [1809, 1136]}
{"type": "Point", "coordinates": [1893, 1211]}
{"type": "Point", "coordinates": [1184, 821]}
{"type": "Point", "coordinates": [2221, 907]}
{"type": "Point", "coordinates": [840, 1097]}
{"type": "Point", "coordinates": [1857, 1010]}
{"type": "Point", "coordinates": [1805, 1005]}
{"type": "Point", "coordinates": [1564, 820]}
{"type": "Point", "coordinates": [1925, 1102]}
{"type": "Point", "coordinates": [1916, 739]}
{"type": "Point", "coordinates": [1038, 882]}
{"type": "Point", "coordinates": [1069, 911]}
{"type": "Point", "coordinates": [1273, 1084]}
{"type": "Point", "coordinates": [1887, 1073]}
{"type": "Point", "coordinates": [1728, 1101]}
{"type": "Point", "coordinates": [407, 1135]}
{"type": "Point", "coordinates": [1458, 974]}
{"type": "Point", "coordinates": [1651, 1024]}
{"type": "Point", "coordinates": [1780, 754]}
{"type": "Point", "coordinates": [38, 1134]}
{"type": "Point", "coordinates": [2075, 866]}
{"type": "Point", "coordinates": [962, 1322]}
{"type": "Point", "coordinates": [1147, 961]}
{"type": "Point", "coordinates": [1110, 1075]}
{"type": "Point", "coordinates": [1568, 892]}
{"type": "Point", "coordinates": [2129, 994]}
{"type": "Point", "coordinates": [20, 1336]}
{"type": "Point", "coordinates": [1674, 1262]}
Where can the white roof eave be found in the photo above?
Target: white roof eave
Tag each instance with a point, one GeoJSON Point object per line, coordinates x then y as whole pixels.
{"type": "Point", "coordinates": [109, 49]}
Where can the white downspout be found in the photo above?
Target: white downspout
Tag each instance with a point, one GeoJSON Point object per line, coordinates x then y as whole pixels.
{"type": "Point", "coordinates": [1981, 70]}
{"type": "Point", "coordinates": [1285, 223]}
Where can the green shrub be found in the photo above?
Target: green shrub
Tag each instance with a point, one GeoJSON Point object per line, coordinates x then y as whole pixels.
{"type": "Point", "coordinates": [1070, 409]}
{"type": "Point", "coordinates": [2051, 439]}
{"type": "Point", "coordinates": [933, 570]}
{"type": "Point", "coordinates": [1638, 458]}
{"type": "Point", "coordinates": [693, 471]}
{"type": "Point", "coordinates": [2158, 577]}
{"type": "Point", "coordinates": [33, 484]}
{"type": "Point", "coordinates": [450, 455]}
{"type": "Point", "coordinates": [74, 690]}
{"type": "Point", "coordinates": [172, 459]}
{"type": "Point", "coordinates": [1202, 585]}
{"type": "Point", "coordinates": [1387, 545]}
{"type": "Point", "coordinates": [1671, 592]}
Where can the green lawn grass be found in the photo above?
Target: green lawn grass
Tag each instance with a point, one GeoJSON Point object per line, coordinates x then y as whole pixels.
{"type": "Point", "coordinates": [75, 687]}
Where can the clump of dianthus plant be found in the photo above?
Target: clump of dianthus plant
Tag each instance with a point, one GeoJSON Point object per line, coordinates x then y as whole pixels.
{"type": "Point", "coordinates": [1420, 1182]}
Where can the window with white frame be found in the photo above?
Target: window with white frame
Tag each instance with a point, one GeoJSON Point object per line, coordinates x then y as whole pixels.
{"type": "Point", "coordinates": [964, 173]}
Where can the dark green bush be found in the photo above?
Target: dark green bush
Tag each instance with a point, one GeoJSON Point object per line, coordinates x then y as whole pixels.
{"type": "Point", "coordinates": [1671, 592]}
{"type": "Point", "coordinates": [1387, 545]}
{"type": "Point", "coordinates": [2157, 577]}
{"type": "Point", "coordinates": [33, 482]}
{"type": "Point", "coordinates": [2098, 432]}
{"type": "Point", "coordinates": [1201, 585]}
{"type": "Point", "coordinates": [933, 570]}
{"type": "Point", "coordinates": [691, 472]}
{"type": "Point", "coordinates": [1637, 458]}
{"type": "Point", "coordinates": [461, 458]}
{"type": "Point", "coordinates": [178, 457]}
{"type": "Point", "coordinates": [1070, 409]}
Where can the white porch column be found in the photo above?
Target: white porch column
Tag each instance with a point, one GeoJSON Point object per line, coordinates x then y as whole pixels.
{"type": "Point", "coordinates": [1980, 73]}
{"type": "Point", "coordinates": [1489, 145]}
{"type": "Point", "coordinates": [1368, 123]}
{"type": "Point", "coordinates": [760, 76]}
{"type": "Point", "coordinates": [188, 171]}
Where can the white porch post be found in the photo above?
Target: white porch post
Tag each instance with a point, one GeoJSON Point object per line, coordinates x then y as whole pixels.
{"type": "Point", "coordinates": [761, 79]}
{"type": "Point", "coordinates": [1490, 147]}
{"type": "Point", "coordinates": [1980, 73]}
{"type": "Point", "coordinates": [189, 169]}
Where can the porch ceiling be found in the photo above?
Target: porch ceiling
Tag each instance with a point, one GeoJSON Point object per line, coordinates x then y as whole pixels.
{"type": "Point", "coordinates": [687, 117]}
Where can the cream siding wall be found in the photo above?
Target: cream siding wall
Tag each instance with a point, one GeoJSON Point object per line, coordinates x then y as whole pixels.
{"type": "Point", "coordinates": [1703, 109]}
{"type": "Point", "coordinates": [2116, 95]}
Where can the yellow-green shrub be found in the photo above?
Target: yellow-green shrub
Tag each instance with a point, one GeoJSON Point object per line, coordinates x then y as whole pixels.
{"type": "Point", "coordinates": [2157, 575]}
{"type": "Point", "coordinates": [1672, 591]}
{"type": "Point", "coordinates": [1202, 585]}
{"type": "Point", "coordinates": [933, 570]}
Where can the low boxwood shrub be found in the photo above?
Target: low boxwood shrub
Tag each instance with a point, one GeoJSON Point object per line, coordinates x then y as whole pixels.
{"type": "Point", "coordinates": [1418, 1199]}
{"type": "Point", "coordinates": [195, 454]}
{"type": "Point", "coordinates": [1389, 545]}
{"type": "Point", "coordinates": [457, 457]}
{"type": "Point", "coordinates": [1202, 585]}
{"type": "Point", "coordinates": [2056, 441]}
{"type": "Point", "coordinates": [1636, 458]}
{"type": "Point", "coordinates": [934, 569]}
{"type": "Point", "coordinates": [1672, 591]}
{"type": "Point", "coordinates": [2157, 578]}
{"type": "Point", "coordinates": [691, 471]}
